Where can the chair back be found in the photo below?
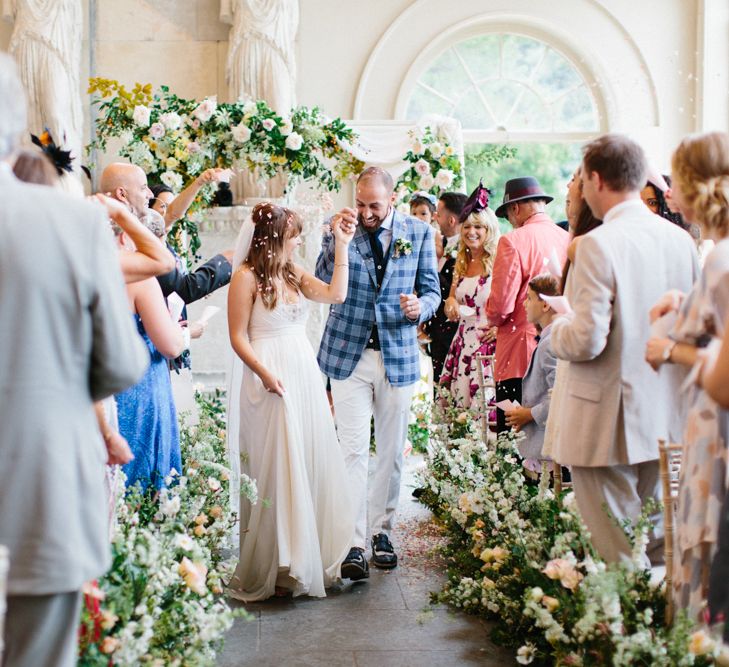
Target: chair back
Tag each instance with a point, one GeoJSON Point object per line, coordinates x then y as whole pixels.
{"type": "Point", "coordinates": [486, 390]}
{"type": "Point", "coordinates": [670, 456]}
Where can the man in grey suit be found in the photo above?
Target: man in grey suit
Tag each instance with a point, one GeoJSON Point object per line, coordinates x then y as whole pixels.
{"type": "Point", "coordinates": [616, 407]}
{"type": "Point", "coordinates": [67, 340]}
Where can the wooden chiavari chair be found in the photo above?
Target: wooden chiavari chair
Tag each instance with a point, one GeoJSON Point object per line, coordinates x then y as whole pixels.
{"type": "Point", "coordinates": [669, 456]}
{"type": "Point", "coordinates": [487, 391]}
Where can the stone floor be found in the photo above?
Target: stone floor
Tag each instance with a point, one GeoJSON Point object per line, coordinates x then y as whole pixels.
{"type": "Point", "coordinates": [384, 622]}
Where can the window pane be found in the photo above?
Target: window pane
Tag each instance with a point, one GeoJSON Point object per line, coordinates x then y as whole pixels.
{"type": "Point", "coordinates": [556, 76]}
{"type": "Point", "coordinates": [423, 102]}
{"type": "Point", "coordinates": [446, 75]}
{"type": "Point", "coordinates": [576, 112]}
{"type": "Point", "coordinates": [531, 115]}
{"type": "Point", "coordinates": [481, 55]}
{"type": "Point", "coordinates": [472, 113]}
{"type": "Point", "coordinates": [520, 56]}
{"type": "Point", "coordinates": [501, 96]}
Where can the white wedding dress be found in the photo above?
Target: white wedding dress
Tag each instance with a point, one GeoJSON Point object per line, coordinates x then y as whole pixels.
{"type": "Point", "coordinates": [300, 530]}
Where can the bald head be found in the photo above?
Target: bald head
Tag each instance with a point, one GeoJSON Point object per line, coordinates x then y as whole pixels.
{"type": "Point", "coordinates": [128, 184]}
{"type": "Point", "coordinates": [378, 176]}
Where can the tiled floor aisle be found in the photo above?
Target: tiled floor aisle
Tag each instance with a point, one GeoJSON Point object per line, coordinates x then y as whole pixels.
{"type": "Point", "coordinates": [385, 622]}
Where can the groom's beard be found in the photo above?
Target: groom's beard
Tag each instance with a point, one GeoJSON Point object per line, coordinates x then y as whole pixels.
{"type": "Point", "coordinates": [373, 222]}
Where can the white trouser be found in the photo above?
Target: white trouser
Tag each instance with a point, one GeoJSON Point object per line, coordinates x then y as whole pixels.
{"type": "Point", "coordinates": [364, 393]}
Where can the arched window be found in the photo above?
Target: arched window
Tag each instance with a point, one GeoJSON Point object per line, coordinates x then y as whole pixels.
{"type": "Point", "coordinates": [508, 88]}
{"type": "Point", "coordinates": [502, 82]}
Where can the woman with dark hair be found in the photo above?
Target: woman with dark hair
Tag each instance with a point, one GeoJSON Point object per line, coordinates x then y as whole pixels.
{"type": "Point", "coordinates": [654, 197]}
{"type": "Point", "coordinates": [279, 418]}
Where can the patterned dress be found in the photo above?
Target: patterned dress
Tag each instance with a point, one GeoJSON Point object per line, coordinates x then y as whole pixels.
{"type": "Point", "coordinates": [703, 482]}
{"type": "Point", "coordinates": [460, 374]}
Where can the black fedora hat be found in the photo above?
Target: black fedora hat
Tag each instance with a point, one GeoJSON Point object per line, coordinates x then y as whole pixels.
{"type": "Point", "coordinates": [521, 189]}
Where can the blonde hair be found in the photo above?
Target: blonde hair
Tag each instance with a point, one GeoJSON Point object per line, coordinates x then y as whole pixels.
{"type": "Point", "coordinates": [700, 168]}
{"type": "Point", "coordinates": [487, 219]}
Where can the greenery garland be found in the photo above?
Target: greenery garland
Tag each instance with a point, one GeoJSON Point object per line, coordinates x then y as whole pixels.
{"type": "Point", "coordinates": [174, 139]}
{"type": "Point", "coordinates": [521, 557]}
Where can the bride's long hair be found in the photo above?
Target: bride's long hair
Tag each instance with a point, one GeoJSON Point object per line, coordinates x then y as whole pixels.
{"type": "Point", "coordinates": [274, 225]}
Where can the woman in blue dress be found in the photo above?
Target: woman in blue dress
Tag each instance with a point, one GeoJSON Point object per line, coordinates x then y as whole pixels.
{"type": "Point", "coordinates": [147, 415]}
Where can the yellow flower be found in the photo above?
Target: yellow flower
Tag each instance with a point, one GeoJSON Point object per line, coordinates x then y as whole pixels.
{"type": "Point", "coordinates": [550, 603]}
{"type": "Point", "coordinates": [487, 583]}
{"type": "Point", "coordinates": [450, 150]}
{"type": "Point", "coordinates": [443, 160]}
{"type": "Point", "coordinates": [194, 575]}
{"type": "Point", "coordinates": [216, 512]}
{"type": "Point", "coordinates": [478, 523]}
{"type": "Point", "coordinates": [201, 519]}
{"type": "Point", "coordinates": [108, 620]}
{"type": "Point", "coordinates": [700, 643]}
{"type": "Point", "coordinates": [200, 531]}
{"type": "Point", "coordinates": [181, 155]}
{"type": "Point", "coordinates": [171, 163]}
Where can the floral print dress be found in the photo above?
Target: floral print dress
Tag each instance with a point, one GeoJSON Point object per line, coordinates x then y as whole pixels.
{"type": "Point", "coordinates": [460, 374]}
{"type": "Point", "coordinates": [703, 482]}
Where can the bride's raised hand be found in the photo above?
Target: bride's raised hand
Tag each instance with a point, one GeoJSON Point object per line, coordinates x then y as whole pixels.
{"type": "Point", "coordinates": [343, 229]}
{"type": "Point", "coordinates": [272, 384]}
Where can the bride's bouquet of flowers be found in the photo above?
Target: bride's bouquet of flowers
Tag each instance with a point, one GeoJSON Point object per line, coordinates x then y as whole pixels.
{"type": "Point", "coordinates": [435, 166]}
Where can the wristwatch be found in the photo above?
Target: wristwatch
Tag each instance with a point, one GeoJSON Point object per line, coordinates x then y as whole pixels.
{"type": "Point", "coordinates": [666, 356]}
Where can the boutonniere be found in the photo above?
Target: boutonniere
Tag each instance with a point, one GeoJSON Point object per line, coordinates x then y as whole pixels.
{"type": "Point", "coordinates": [402, 247]}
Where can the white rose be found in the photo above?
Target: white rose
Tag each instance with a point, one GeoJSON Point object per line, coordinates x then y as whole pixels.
{"type": "Point", "coordinates": [417, 147]}
{"type": "Point", "coordinates": [286, 127]}
{"type": "Point", "coordinates": [436, 149]}
{"type": "Point", "coordinates": [241, 133]}
{"type": "Point", "coordinates": [268, 124]}
{"type": "Point", "coordinates": [184, 542]}
{"type": "Point", "coordinates": [294, 141]}
{"type": "Point", "coordinates": [214, 484]}
{"type": "Point", "coordinates": [426, 182]}
{"type": "Point", "coordinates": [172, 180]}
{"type": "Point", "coordinates": [249, 107]}
{"type": "Point", "coordinates": [170, 506]}
{"type": "Point", "coordinates": [141, 115]}
{"type": "Point", "coordinates": [444, 178]}
{"type": "Point", "coordinates": [170, 120]}
{"type": "Point", "coordinates": [422, 167]}
{"type": "Point", "coordinates": [205, 110]}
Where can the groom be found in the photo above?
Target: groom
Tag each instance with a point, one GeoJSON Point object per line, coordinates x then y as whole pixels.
{"type": "Point", "coordinates": [370, 352]}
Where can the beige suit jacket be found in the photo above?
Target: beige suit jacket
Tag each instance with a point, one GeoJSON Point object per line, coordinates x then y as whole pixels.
{"type": "Point", "coordinates": [616, 406]}
{"type": "Point", "coordinates": [66, 339]}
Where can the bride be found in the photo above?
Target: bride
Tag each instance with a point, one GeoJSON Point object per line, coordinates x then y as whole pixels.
{"type": "Point", "coordinates": [296, 536]}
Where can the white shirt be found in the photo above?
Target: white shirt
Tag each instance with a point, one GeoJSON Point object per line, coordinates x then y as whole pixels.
{"type": "Point", "coordinates": [450, 245]}
{"type": "Point", "coordinates": [386, 233]}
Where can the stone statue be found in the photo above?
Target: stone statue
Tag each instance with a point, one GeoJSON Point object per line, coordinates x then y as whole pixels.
{"type": "Point", "coordinates": [261, 60]}
{"type": "Point", "coordinates": [262, 66]}
{"type": "Point", "coordinates": [46, 44]}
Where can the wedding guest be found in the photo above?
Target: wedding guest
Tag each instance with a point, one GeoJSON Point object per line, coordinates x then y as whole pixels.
{"type": "Point", "coordinates": [610, 444]}
{"type": "Point", "coordinates": [701, 190]}
{"type": "Point", "coordinates": [370, 352]}
{"type": "Point", "coordinates": [531, 417]}
{"type": "Point", "coordinates": [439, 329]}
{"type": "Point", "coordinates": [422, 206]}
{"type": "Point", "coordinates": [653, 195]}
{"type": "Point", "coordinates": [581, 221]}
{"type": "Point", "coordinates": [147, 415]}
{"type": "Point", "coordinates": [465, 303]}
{"type": "Point", "coordinates": [173, 207]}
{"type": "Point", "coordinates": [126, 183]}
{"type": "Point", "coordinates": [286, 433]}
{"type": "Point", "coordinates": [520, 256]}
{"type": "Point", "coordinates": [715, 379]}
{"type": "Point", "coordinates": [67, 342]}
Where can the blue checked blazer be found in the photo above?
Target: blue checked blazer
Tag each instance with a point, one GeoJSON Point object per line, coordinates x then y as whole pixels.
{"type": "Point", "coordinates": [349, 324]}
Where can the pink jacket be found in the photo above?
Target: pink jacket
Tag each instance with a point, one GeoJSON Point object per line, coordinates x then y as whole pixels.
{"type": "Point", "coordinates": [520, 256]}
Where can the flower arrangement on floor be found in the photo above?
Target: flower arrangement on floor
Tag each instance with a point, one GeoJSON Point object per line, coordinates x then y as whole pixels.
{"type": "Point", "coordinates": [436, 167]}
{"type": "Point", "coordinates": [522, 557]}
{"type": "Point", "coordinates": [175, 139]}
{"type": "Point", "coordinates": [159, 603]}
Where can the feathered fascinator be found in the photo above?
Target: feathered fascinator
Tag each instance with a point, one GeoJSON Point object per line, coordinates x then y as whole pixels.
{"type": "Point", "coordinates": [62, 160]}
{"type": "Point", "coordinates": [478, 201]}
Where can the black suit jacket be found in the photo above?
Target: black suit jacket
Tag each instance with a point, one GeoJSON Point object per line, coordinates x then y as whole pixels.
{"type": "Point", "coordinates": [440, 330]}
{"type": "Point", "coordinates": [208, 277]}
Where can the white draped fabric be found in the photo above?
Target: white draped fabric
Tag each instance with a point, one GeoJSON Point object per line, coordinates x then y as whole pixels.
{"type": "Point", "coordinates": [385, 143]}
{"type": "Point", "coordinates": [46, 45]}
